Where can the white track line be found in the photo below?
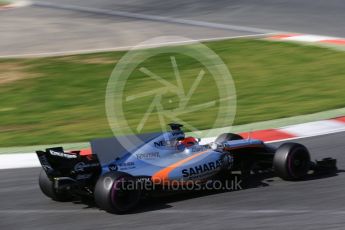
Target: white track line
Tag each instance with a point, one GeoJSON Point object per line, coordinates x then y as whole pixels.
{"type": "Point", "coordinates": [182, 211]}
{"type": "Point", "coordinates": [311, 128]}
{"type": "Point", "coordinates": [340, 130]}
{"type": "Point", "coordinates": [47, 211]}
{"type": "Point", "coordinates": [252, 212]}
{"type": "Point", "coordinates": [316, 134]}
{"type": "Point", "coordinates": [308, 38]}
{"type": "Point", "coordinates": [20, 160]}
{"type": "Point", "coordinates": [124, 48]}
{"type": "Point", "coordinates": [150, 17]}
{"type": "Point", "coordinates": [16, 4]}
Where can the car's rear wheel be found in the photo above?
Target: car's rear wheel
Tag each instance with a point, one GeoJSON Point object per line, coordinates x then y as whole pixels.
{"type": "Point", "coordinates": [47, 187]}
{"type": "Point", "coordinates": [291, 161]}
{"type": "Point", "coordinates": [117, 192]}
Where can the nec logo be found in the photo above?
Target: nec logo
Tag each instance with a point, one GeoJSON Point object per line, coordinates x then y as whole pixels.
{"type": "Point", "coordinates": [159, 144]}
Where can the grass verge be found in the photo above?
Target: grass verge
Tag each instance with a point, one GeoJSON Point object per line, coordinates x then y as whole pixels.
{"type": "Point", "coordinates": [4, 2]}
{"type": "Point", "coordinates": [61, 99]}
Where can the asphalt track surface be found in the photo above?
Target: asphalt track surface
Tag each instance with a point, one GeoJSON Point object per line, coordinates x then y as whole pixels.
{"type": "Point", "coordinates": [37, 29]}
{"type": "Point", "coordinates": [304, 16]}
{"type": "Point", "coordinates": [270, 203]}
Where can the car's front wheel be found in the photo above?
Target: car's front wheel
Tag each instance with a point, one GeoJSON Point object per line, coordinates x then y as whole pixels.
{"type": "Point", "coordinates": [291, 161]}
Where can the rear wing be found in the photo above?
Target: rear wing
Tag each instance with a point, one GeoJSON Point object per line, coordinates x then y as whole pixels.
{"type": "Point", "coordinates": [58, 163]}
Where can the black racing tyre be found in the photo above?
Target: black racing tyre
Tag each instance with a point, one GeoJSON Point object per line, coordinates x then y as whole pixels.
{"type": "Point", "coordinates": [291, 161]}
{"type": "Point", "coordinates": [47, 187]}
{"type": "Point", "coordinates": [113, 195]}
{"type": "Point", "coordinates": [228, 137]}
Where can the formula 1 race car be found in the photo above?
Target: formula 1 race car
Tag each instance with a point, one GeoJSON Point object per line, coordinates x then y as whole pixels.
{"type": "Point", "coordinates": [161, 159]}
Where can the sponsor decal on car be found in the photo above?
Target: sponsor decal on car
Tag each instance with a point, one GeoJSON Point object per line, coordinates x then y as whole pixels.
{"type": "Point", "coordinates": [202, 170]}
{"type": "Point", "coordinates": [81, 166]}
{"type": "Point", "coordinates": [159, 144]}
{"type": "Point", "coordinates": [144, 179]}
{"type": "Point", "coordinates": [148, 156]}
{"type": "Point", "coordinates": [165, 144]}
{"type": "Point", "coordinates": [113, 167]}
{"type": "Point", "coordinates": [61, 154]}
{"type": "Point", "coordinates": [126, 165]}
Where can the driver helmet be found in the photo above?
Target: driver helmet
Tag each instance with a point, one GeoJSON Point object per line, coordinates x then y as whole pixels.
{"type": "Point", "coordinates": [189, 142]}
